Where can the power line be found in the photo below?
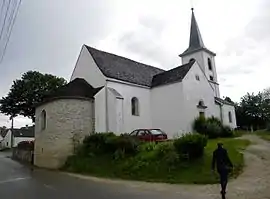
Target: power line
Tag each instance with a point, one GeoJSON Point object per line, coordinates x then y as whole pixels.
{"type": "Point", "coordinates": [2, 7]}
{"type": "Point", "coordinates": [1, 34]}
{"type": "Point", "coordinates": [10, 29]}
{"type": "Point", "coordinates": [11, 16]}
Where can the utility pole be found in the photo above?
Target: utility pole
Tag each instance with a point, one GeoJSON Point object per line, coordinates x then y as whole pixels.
{"type": "Point", "coordinates": [12, 125]}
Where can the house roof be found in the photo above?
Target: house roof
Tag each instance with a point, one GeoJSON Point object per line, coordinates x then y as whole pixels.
{"type": "Point", "coordinates": [3, 132]}
{"type": "Point", "coordinates": [222, 101]}
{"type": "Point", "coordinates": [195, 39]}
{"type": "Point", "coordinates": [173, 75]}
{"type": "Point", "coordinates": [78, 88]}
{"type": "Point", "coordinates": [24, 132]}
{"type": "Point", "coordinates": [121, 68]}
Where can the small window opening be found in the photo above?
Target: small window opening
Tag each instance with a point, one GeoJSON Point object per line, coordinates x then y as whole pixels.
{"type": "Point", "coordinates": [192, 59]}
{"type": "Point", "coordinates": [135, 106]}
{"type": "Point", "coordinates": [230, 117]}
{"type": "Point", "coordinates": [211, 78]}
{"type": "Point", "coordinates": [210, 64]}
{"type": "Point", "coordinates": [43, 120]}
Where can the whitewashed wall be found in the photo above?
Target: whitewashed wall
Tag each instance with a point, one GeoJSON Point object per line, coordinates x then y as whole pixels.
{"type": "Point", "coordinates": [194, 91]}
{"type": "Point", "coordinates": [100, 111]}
{"type": "Point", "coordinates": [128, 91]}
{"type": "Point", "coordinates": [17, 140]}
{"type": "Point", "coordinates": [167, 108]}
{"type": "Point", "coordinates": [86, 68]}
{"type": "Point", "coordinates": [225, 115]}
{"type": "Point", "coordinates": [6, 143]}
{"type": "Point", "coordinates": [201, 58]}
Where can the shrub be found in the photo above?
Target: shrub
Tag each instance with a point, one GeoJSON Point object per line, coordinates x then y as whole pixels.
{"type": "Point", "coordinates": [211, 127]}
{"type": "Point", "coordinates": [213, 130]}
{"type": "Point", "coordinates": [191, 144]}
{"type": "Point", "coordinates": [126, 144]}
{"type": "Point", "coordinates": [227, 132]}
{"type": "Point", "coordinates": [199, 125]}
{"type": "Point", "coordinates": [166, 151]}
{"type": "Point", "coordinates": [97, 142]}
{"type": "Point", "coordinates": [214, 120]}
{"type": "Point", "coordinates": [147, 147]}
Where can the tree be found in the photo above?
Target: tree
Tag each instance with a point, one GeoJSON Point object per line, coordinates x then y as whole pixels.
{"type": "Point", "coordinates": [253, 111]}
{"type": "Point", "coordinates": [26, 92]}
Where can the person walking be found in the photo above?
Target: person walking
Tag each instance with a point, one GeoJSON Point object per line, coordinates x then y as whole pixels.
{"type": "Point", "coordinates": [223, 165]}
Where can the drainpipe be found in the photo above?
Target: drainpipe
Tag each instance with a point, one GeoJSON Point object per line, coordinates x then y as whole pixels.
{"type": "Point", "coordinates": [12, 124]}
{"type": "Point", "coordinates": [106, 108]}
{"type": "Point", "coordinates": [221, 115]}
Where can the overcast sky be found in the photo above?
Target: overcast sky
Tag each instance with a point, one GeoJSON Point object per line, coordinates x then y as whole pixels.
{"type": "Point", "coordinates": [48, 36]}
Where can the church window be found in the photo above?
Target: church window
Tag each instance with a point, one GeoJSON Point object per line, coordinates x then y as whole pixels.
{"type": "Point", "coordinates": [192, 59]}
{"type": "Point", "coordinates": [210, 64]}
{"type": "Point", "coordinates": [230, 116]}
{"type": "Point", "coordinates": [135, 106]}
{"type": "Point", "coordinates": [43, 120]}
{"type": "Point", "coordinates": [201, 103]}
{"type": "Point", "coordinates": [197, 77]}
{"type": "Point", "coordinates": [211, 78]}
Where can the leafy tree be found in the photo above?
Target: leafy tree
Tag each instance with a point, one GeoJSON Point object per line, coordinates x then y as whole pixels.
{"type": "Point", "coordinates": [253, 111]}
{"type": "Point", "coordinates": [26, 92]}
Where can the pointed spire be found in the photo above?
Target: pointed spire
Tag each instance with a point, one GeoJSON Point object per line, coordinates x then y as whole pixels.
{"type": "Point", "coordinates": [195, 39]}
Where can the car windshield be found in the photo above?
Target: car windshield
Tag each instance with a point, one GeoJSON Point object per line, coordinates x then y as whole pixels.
{"type": "Point", "coordinates": [156, 131]}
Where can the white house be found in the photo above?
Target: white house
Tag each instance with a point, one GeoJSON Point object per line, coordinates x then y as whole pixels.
{"type": "Point", "coordinates": [136, 95]}
{"type": "Point", "coordinates": [19, 135]}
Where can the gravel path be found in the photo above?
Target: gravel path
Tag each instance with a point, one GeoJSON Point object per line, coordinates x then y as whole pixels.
{"type": "Point", "coordinates": [253, 183]}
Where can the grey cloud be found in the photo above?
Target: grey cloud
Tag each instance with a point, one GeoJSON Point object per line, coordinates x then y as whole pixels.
{"type": "Point", "coordinates": [48, 35]}
{"type": "Point", "coordinates": [146, 41]}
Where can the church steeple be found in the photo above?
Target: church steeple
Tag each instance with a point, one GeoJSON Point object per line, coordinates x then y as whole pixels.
{"type": "Point", "coordinates": [195, 38]}
{"type": "Point", "coordinates": [205, 58]}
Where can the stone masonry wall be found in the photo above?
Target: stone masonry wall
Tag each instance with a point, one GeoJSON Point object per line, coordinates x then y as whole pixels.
{"type": "Point", "coordinates": [68, 122]}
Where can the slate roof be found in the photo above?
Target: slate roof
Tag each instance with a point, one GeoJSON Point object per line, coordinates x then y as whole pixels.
{"type": "Point", "coordinates": [121, 68]}
{"type": "Point", "coordinates": [195, 39]}
{"type": "Point", "coordinates": [74, 89]}
{"type": "Point", "coordinates": [222, 101]}
{"type": "Point", "coordinates": [173, 75]}
{"type": "Point", "coordinates": [24, 132]}
{"type": "Point", "coordinates": [3, 132]}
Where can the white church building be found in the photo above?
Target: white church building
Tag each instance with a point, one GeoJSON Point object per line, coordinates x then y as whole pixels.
{"type": "Point", "coordinates": [136, 95]}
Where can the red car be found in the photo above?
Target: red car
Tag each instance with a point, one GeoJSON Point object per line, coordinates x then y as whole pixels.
{"type": "Point", "coordinates": [149, 135]}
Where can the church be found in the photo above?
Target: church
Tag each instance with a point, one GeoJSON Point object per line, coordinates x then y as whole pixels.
{"type": "Point", "coordinates": [110, 93]}
{"type": "Point", "coordinates": [136, 95]}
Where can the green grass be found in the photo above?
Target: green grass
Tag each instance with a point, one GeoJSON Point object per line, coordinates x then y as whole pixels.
{"type": "Point", "coordinates": [264, 134]}
{"type": "Point", "coordinates": [148, 168]}
{"type": "Point", "coordinates": [239, 133]}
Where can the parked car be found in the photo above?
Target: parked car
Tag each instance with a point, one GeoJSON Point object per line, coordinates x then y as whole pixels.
{"type": "Point", "coordinates": [149, 135]}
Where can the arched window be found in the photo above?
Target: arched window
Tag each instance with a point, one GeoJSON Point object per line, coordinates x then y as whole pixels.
{"type": "Point", "coordinates": [43, 120]}
{"type": "Point", "coordinates": [209, 64]}
{"type": "Point", "coordinates": [230, 116]}
{"type": "Point", "coordinates": [192, 59]}
{"type": "Point", "coordinates": [135, 106]}
{"type": "Point", "coordinates": [201, 103]}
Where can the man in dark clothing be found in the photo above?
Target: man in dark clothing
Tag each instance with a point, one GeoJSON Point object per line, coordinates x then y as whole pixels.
{"type": "Point", "coordinates": [223, 164]}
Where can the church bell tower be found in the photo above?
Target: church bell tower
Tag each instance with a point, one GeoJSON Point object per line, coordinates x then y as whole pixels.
{"type": "Point", "coordinates": [204, 57]}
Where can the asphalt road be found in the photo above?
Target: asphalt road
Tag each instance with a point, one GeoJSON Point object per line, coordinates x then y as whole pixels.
{"type": "Point", "coordinates": [19, 182]}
